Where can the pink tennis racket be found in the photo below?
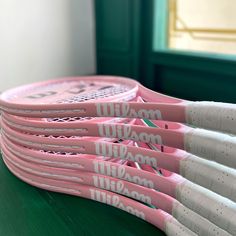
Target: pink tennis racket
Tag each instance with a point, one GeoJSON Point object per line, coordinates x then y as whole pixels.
{"type": "Point", "coordinates": [157, 217]}
{"type": "Point", "coordinates": [211, 175]}
{"type": "Point", "coordinates": [185, 216]}
{"type": "Point", "coordinates": [200, 142]}
{"type": "Point", "coordinates": [200, 200]}
{"type": "Point", "coordinates": [72, 97]}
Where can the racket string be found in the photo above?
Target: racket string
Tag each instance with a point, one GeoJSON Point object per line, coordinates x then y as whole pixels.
{"type": "Point", "coordinates": [68, 119]}
{"type": "Point", "coordinates": [59, 136]}
{"type": "Point", "coordinates": [59, 153]}
{"type": "Point", "coordinates": [100, 94]}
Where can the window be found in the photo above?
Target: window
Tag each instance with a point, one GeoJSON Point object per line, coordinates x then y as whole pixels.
{"type": "Point", "coordinates": [196, 25]}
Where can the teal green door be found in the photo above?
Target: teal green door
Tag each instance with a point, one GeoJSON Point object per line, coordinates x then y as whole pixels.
{"type": "Point", "coordinates": [118, 37]}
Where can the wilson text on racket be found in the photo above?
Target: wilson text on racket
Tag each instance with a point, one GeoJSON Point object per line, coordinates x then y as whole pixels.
{"type": "Point", "coordinates": [124, 110]}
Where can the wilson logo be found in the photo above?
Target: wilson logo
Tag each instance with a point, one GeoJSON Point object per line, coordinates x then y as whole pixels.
{"type": "Point", "coordinates": [124, 110]}
{"type": "Point", "coordinates": [114, 201]}
{"type": "Point", "coordinates": [121, 151]}
{"type": "Point", "coordinates": [118, 187]}
{"type": "Point", "coordinates": [119, 171]}
{"type": "Point", "coordinates": [126, 132]}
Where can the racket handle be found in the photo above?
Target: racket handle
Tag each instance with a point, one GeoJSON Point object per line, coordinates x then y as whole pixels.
{"type": "Point", "coordinates": [173, 227]}
{"type": "Point", "coordinates": [212, 115]}
{"type": "Point", "coordinates": [195, 222]}
{"type": "Point", "coordinates": [217, 209]}
{"type": "Point", "coordinates": [212, 145]}
{"type": "Point", "coordinates": [211, 175]}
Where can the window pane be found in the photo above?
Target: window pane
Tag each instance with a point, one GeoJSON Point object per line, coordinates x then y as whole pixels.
{"type": "Point", "coordinates": [203, 25]}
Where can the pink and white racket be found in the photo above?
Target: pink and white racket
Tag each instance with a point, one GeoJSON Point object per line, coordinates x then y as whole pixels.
{"type": "Point", "coordinates": [195, 197]}
{"type": "Point", "coordinates": [211, 175]}
{"type": "Point", "coordinates": [72, 97]}
{"type": "Point", "coordinates": [210, 145]}
{"type": "Point", "coordinates": [157, 217]}
{"type": "Point", "coordinates": [185, 216]}
{"type": "Point", "coordinates": [68, 98]}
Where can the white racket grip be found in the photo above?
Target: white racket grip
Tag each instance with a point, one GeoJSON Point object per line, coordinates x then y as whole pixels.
{"type": "Point", "coordinates": [212, 145]}
{"type": "Point", "coordinates": [173, 227]}
{"type": "Point", "coordinates": [217, 209]}
{"type": "Point", "coordinates": [212, 115]}
{"type": "Point", "coordinates": [209, 174]}
{"type": "Point", "coordinates": [195, 222]}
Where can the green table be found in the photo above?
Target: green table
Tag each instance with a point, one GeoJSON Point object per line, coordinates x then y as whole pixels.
{"type": "Point", "coordinates": [29, 211]}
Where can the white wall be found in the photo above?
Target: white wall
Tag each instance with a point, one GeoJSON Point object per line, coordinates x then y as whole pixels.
{"type": "Point", "coordinates": [42, 39]}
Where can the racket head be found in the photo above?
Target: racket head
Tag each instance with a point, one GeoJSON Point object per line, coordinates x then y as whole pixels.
{"type": "Point", "coordinates": [146, 195]}
{"type": "Point", "coordinates": [78, 95]}
{"type": "Point", "coordinates": [61, 157]}
{"type": "Point", "coordinates": [59, 142]}
{"type": "Point", "coordinates": [31, 123]}
{"type": "Point", "coordinates": [157, 217]}
{"type": "Point", "coordinates": [68, 126]}
{"type": "Point", "coordinates": [55, 94]}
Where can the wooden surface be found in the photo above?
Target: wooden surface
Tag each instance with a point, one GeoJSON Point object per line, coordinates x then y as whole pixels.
{"type": "Point", "coordinates": [29, 211]}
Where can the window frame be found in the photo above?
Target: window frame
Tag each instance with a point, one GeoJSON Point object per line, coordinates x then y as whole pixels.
{"type": "Point", "coordinates": [159, 53]}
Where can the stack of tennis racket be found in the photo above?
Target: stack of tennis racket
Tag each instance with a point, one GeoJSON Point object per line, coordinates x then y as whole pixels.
{"type": "Point", "coordinates": [112, 140]}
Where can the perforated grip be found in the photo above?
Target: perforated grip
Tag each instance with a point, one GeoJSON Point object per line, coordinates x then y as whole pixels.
{"type": "Point", "coordinates": [212, 145]}
{"type": "Point", "coordinates": [173, 227]}
{"type": "Point", "coordinates": [211, 175]}
{"type": "Point", "coordinates": [195, 222]}
{"type": "Point", "coordinates": [217, 209]}
{"type": "Point", "coordinates": [212, 115]}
